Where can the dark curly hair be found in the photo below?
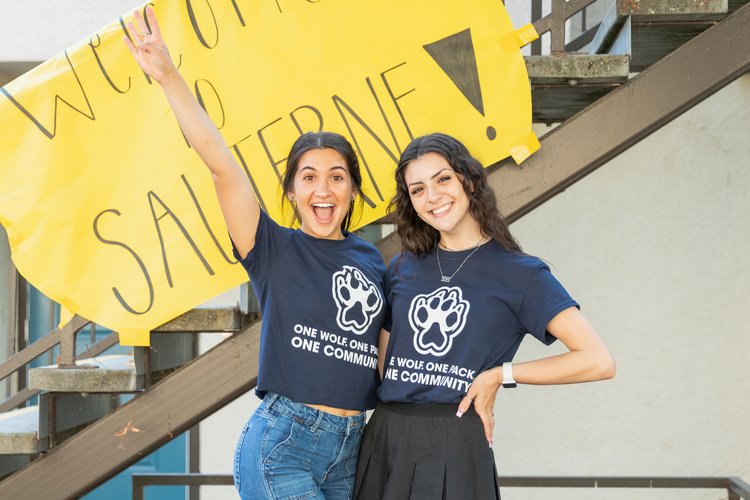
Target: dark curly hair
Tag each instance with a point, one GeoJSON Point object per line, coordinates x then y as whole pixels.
{"type": "Point", "coordinates": [322, 140]}
{"type": "Point", "coordinates": [419, 237]}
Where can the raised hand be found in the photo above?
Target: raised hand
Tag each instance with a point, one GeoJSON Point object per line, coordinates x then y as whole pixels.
{"type": "Point", "coordinates": [148, 47]}
{"type": "Point", "coordinates": [233, 187]}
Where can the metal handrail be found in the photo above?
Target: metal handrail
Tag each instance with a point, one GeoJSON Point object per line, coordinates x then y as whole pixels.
{"type": "Point", "coordinates": [18, 399]}
{"type": "Point", "coordinates": [140, 481]}
{"type": "Point", "coordinates": [25, 394]}
{"type": "Point", "coordinates": [65, 337]}
{"type": "Point", "coordinates": [554, 22]}
{"type": "Point", "coordinates": [41, 346]}
{"type": "Point", "coordinates": [736, 488]}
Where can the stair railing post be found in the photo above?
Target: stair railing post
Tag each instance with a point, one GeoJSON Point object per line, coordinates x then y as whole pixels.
{"type": "Point", "coordinates": [554, 22]}
{"type": "Point", "coordinates": [68, 343]}
{"type": "Point", "coordinates": [17, 320]}
{"type": "Point", "coordinates": [52, 420]}
{"type": "Point", "coordinates": [557, 33]}
{"type": "Point", "coordinates": [536, 14]}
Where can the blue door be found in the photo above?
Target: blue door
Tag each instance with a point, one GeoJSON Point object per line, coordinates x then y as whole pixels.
{"type": "Point", "coordinates": [172, 457]}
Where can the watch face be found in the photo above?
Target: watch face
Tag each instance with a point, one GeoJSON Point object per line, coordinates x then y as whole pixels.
{"type": "Point", "coordinates": [509, 385]}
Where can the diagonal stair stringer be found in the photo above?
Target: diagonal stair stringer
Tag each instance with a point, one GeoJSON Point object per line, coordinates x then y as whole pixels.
{"type": "Point", "coordinates": [120, 439]}
{"type": "Point", "coordinates": [622, 118]}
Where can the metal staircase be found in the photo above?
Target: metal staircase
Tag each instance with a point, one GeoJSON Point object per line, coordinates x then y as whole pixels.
{"type": "Point", "coordinates": [158, 414]}
{"type": "Point", "coordinates": [605, 108]}
{"type": "Point", "coordinates": [75, 393]}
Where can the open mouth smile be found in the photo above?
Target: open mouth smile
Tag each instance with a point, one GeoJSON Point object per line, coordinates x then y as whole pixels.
{"type": "Point", "coordinates": [323, 211]}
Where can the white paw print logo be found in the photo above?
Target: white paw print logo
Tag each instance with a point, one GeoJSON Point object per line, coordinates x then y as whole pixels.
{"type": "Point", "coordinates": [444, 308]}
{"type": "Point", "coordinates": [358, 300]}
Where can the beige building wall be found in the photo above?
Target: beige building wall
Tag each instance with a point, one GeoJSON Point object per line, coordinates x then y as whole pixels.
{"type": "Point", "coordinates": [35, 30]}
{"type": "Point", "coordinates": [653, 246]}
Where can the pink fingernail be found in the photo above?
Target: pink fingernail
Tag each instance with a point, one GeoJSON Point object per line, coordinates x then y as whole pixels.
{"type": "Point", "coordinates": [490, 441]}
{"type": "Point", "coordinates": [460, 412]}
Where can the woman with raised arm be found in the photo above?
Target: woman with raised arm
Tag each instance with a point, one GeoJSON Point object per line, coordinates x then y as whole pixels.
{"type": "Point", "coordinates": [462, 296]}
{"type": "Point", "coordinates": [315, 283]}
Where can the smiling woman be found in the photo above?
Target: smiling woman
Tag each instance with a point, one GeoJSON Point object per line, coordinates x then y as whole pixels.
{"type": "Point", "coordinates": [462, 296]}
{"type": "Point", "coordinates": [437, 195]}
{"type": "Point", "coordinates": [320, 185]}
{"type": "Point", "coordinates": [303, 440]}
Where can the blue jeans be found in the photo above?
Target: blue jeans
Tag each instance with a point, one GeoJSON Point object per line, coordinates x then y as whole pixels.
{"type": "Point", "coordinates": [289, 451]}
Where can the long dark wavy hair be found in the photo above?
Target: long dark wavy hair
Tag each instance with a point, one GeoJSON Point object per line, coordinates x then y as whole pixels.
{"type": "Point", "coordinates": [322, 140]}
{"type": "Point", "coordinates": [419, 237]}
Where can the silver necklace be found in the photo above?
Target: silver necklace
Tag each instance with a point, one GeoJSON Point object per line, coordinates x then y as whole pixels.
{"type": "Point", "coordinates": [447, 279]}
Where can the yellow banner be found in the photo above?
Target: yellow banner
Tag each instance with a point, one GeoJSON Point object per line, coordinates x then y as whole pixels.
{"type": "Point", "coordinates": [109, 211]}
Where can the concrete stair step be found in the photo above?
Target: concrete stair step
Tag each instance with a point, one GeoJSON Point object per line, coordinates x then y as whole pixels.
{"type": "Point", "coordinates": [650, 29]}
{"type": "Point", "coordinates": [126, 372]}
{"type": "Point", "coordinates": [634, 34]}
{"type": "Point", "coordinates": [202, 319]}
{"type": "Point", "coordinates": [19, 431]}
{"type": "Point", "coordinates": [561, 86]}
{"type": "Point", "coordinates": [112, 373]}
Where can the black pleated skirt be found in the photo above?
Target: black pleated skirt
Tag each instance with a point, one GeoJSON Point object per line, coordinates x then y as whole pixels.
{"type": "Point", "coordinates": [424, 452]}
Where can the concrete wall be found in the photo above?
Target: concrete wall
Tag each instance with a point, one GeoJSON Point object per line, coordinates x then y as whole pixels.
{"type": "Point", "coordinates": [653, 246]}
{"type": "Point", "coordinates": [35, 30]}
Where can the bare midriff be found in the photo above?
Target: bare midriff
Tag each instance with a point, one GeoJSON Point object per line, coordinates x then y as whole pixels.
{"type": "Point", "coordinates": [341, 412]}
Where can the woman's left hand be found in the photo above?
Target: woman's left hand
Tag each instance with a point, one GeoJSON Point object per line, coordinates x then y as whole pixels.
{"type": "Point", "coordinates": [482, 393]}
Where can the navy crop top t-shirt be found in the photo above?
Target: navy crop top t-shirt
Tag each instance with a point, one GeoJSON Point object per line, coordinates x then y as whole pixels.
{"type": "Point", "coordinates": [322, 305]}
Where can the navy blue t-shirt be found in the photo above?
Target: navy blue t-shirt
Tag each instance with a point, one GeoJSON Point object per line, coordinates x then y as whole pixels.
{"type": "Point", "coordinates": [445, 334]}
{"type": "Point", "coordinates": [322, 305]}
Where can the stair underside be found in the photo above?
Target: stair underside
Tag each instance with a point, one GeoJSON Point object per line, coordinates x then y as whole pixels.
{"type": "Point", "coordinates": [26, 431]}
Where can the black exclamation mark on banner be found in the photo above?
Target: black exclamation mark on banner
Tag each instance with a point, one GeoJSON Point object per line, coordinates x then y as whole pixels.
{"type": "Point", "coordinates": [455, 56]}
